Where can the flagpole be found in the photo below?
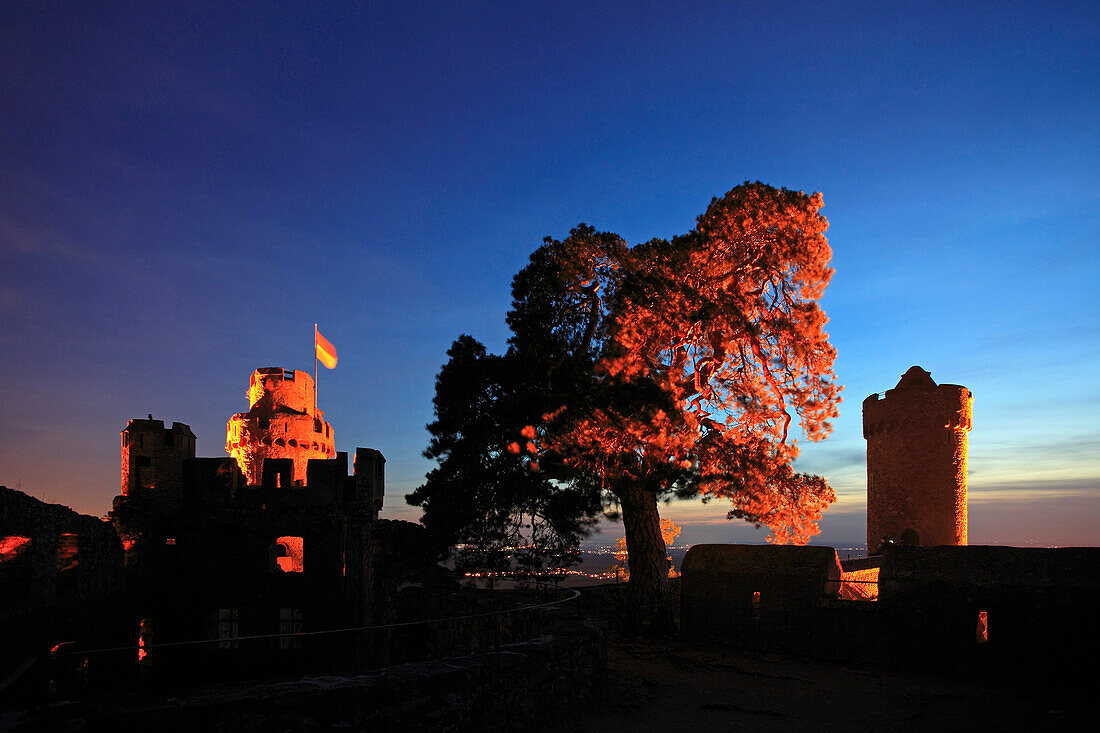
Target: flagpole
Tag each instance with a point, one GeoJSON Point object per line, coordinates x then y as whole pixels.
{"type": "Point", "coordinates": [315, 369]}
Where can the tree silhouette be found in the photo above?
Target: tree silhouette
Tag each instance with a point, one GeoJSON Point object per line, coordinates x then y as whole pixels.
{"type": "Point", "coordinates": [486, 494]}
{"type": "Point", "coordinates": [676, 368]}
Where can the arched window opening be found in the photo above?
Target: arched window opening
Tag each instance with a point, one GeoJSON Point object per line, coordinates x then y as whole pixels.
{"type": "Point", "coordinates": [290, 554]}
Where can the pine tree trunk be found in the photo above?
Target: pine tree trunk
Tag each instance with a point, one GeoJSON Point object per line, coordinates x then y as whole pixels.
{"type": "Point", "coordinates": [650, 609]}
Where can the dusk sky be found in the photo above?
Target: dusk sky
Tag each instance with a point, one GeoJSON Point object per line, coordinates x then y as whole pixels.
{"type": "Point", "coordinates": [186, 188]}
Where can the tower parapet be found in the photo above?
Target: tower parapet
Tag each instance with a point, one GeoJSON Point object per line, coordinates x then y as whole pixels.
{"type": "Point", "coordinates": [916, 462]}
{"type": "Point", "coordinates": [282, 422]}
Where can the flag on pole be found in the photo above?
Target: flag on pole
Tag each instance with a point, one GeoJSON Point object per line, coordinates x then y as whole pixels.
{"type": "Point", "coordinates": [326, 352]}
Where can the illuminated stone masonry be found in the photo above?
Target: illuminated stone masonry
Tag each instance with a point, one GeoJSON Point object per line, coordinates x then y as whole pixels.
{"type": "Point", "coordinates": [282, 422]}
{"type": "Point", "coordinates": [152, 456]}
{"type": "Point", "coordinates": [916, 462]}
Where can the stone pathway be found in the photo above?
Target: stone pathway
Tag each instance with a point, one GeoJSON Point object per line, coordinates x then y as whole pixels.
{"type": "Point", "coordinates": [670, 686]}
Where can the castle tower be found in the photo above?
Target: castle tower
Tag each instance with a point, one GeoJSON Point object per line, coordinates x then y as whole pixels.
{"type": "Point", "coordinates": [282, 422]}
{"type": "Point", "coordinates": [916, 462]}
{"type": "Point", "coordinates": [153, 456]}
{"type": "Point", "coordinates": [370, 476]}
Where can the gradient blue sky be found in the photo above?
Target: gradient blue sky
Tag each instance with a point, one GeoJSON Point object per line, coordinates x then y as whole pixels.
{"type": "Point", "coordinates": [184, 191]}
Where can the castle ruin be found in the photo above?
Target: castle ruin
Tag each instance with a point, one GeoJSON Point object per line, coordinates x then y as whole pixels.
{"type": "Point", "coordinates": [276, 539]}
{"type": "Point", "coordinates": [916, 462]}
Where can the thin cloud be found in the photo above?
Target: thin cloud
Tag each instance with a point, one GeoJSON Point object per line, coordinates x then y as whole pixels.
{"type": "Point", "coordinates": [9, 298]}
{"type": "Point", "coordinates": [1030, 491]}
{"type": "Point", "coordinates": [827, 461]}
{"type": "Point", "coordinates": [41, 241]}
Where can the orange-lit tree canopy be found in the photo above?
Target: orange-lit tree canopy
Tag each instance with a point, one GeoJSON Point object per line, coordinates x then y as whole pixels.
{"type": "Point", "coordinates": [679, 367]}
{"type": "Point", "coordinates": [724, 324]}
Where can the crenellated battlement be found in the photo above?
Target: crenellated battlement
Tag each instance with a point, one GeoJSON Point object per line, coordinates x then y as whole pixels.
{"type": "Point", "coordinates": [946, 406]}
{"type": "Point", "coordinates": [278, 389]}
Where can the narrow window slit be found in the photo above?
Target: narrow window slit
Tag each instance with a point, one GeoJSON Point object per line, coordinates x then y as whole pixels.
{"type": "Point", "coordinates": [982, 633]}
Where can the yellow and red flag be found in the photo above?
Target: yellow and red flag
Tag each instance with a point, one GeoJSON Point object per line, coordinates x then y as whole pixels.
{"type": "Point", "coordinates": [326, 352]}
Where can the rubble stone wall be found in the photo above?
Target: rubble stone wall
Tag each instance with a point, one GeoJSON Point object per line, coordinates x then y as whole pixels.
{"type": "Point", "coordinates": [722, 586]}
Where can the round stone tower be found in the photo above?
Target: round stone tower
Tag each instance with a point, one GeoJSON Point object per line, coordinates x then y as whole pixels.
{"type": "Point", "coordinates": [282, 422]}
{"type": "Point", "coordinates": [916, 462]}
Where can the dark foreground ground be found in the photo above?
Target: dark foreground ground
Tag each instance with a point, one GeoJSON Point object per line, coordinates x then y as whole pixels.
{"type": "Point", "coordinates": [672, 686]}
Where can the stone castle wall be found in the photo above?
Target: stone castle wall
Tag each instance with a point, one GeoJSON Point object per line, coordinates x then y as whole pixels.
{"type": "Point", "coordinates": [282, 422]}
{"type": "Point", "coordinates": [916, 462]}
{"type": "Point", "coordinates": [946, 608]}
